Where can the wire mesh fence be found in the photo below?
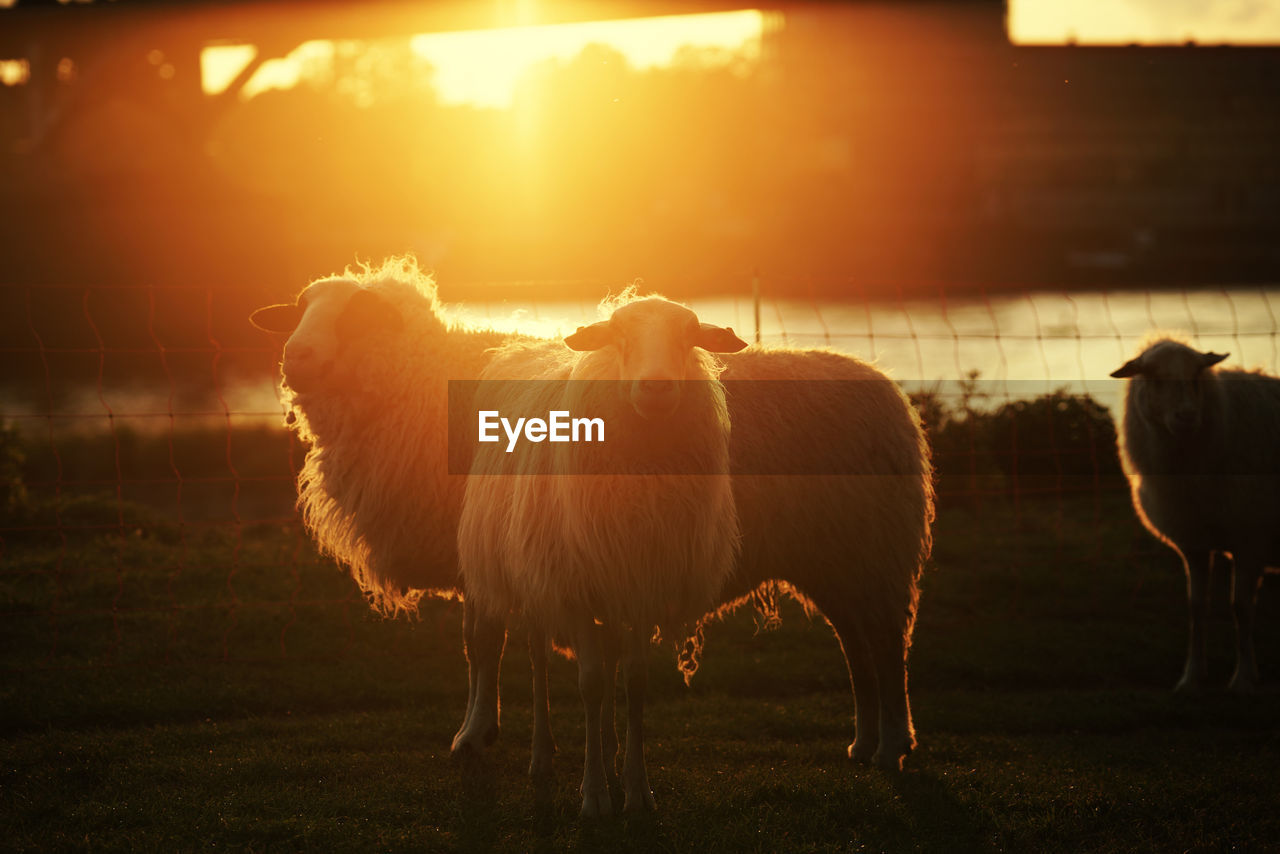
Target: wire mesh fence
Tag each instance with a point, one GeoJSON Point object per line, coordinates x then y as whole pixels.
{"type": "Point", "coordinates": [147, 479]}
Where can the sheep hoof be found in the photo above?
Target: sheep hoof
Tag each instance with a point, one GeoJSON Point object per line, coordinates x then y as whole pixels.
{"type": "Point", "coordinates": [468, 742]}
{"type": "Point", "coordinates": [862, 751]}
{"type": "Point", "coordinates": [1188, 686]}
{"type": "Point", "coordinates": [1241, 684]}
{"type": "Point", "coordinates": [596, 804]}
{"type": "Point", "coordinates": [463, 751]}
{"type": "Point", "coordinates": [890, 763]}
{"type": "Point", "coordinates": [541, 762]}
{"type": "Point", "coordinates": [639, 804]}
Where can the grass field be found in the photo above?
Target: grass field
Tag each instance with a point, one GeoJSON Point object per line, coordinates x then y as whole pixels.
{"type": "Point", "coordinates": [222, 691]}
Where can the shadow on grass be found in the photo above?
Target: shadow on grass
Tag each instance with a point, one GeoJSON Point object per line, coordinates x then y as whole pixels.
{"type": "Point", "coordinates": [936, 814]}
{"type": "Point", "coordinates": [478, 817]}
{"type": "Point", "coordinates": [638, 833]}
{"type": "Point", "coordinates": [555, 823]}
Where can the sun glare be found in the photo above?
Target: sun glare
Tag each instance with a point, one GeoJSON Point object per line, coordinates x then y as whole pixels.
{"type": "Point", "coordinates": [1144, 22]}
{"type": "Point", "coordinates": [483, 67]}
{"type": "Point", "coordinates": [221, 64]}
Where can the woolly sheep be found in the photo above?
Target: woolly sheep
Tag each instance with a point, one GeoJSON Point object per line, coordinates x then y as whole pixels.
{"type": "Point", "coordinates": [848, 547]}
{"type": "Point", "coordinates": [365, 379]}
{"type": "Point", "coordinates": [849, 543]}
{"type": "Point", "coordinates": [833, 487]}
{"type": "Point", "coordinates": [1200, 448]}
{"type": "Point", "coordinates": [844, 526]}
{"type": "Point", "coordinates": [604, 542]}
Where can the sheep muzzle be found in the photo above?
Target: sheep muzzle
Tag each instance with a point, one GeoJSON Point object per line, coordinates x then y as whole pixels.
{"type": "Point", "coordinates": [655, 398]}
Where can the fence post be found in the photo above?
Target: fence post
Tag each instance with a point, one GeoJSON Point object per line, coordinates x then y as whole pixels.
{"type": "Point", "coordinates": [755, 299]}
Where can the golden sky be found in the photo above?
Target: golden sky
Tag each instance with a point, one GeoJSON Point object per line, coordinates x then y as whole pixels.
{"type": "Point", "coordinates": [482, 67]}
{"type": "Point", "coordinates": [1144, 21]}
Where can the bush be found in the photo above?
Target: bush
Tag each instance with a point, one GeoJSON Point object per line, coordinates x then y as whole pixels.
{"type": "Point", "coordinates": [1046, 446]}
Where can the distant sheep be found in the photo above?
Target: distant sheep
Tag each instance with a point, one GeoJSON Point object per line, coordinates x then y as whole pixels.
{"type": "Point", "coordinates": [365, 378]}
{"type": "Point", "coordinates": [1202, 451]}
{"type": "Point", "coordinates": [602, 543]}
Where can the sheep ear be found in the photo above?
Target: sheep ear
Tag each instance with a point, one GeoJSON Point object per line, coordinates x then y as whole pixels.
{"type": "Point", "coordinates": [1208, 360]}
{"type": "Point", "coordinates": [1131, 368]}
{"type": "Point", "coordinates": [367, 313]}
{"type": "Point", "coordinates": [717, 339]}
{"type": "Point", "coordinates": [277, 318]}
{"type": "Point", "coordinates": [591, 337]}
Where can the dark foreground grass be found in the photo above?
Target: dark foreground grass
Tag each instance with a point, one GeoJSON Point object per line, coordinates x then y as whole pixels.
{"type": "Point", "coordinates": [230, 694]}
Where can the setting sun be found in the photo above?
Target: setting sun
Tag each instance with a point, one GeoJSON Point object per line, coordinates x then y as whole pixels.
{"type": "Point", "coordinates": [482, 67]}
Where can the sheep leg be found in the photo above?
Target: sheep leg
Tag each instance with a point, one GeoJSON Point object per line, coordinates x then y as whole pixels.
{"type": "Point", "coordinates": [485, 638]}
{"type": "Point", "coordinates": [897, 735]}
{"type": "Point", "coordinates": [1198, 565]}
{"type": "Point", "coordinates": [638, 797]}
{"type": "Point", "coordinates": [588, 646]}
{"type": "Point", "coordinates": [1244, 599]}
{"type": "Point", "coordinates": [862, 676]}
{"type": "Point", "coordinates": [544, 744]}
{"type": "Point", "coordinates": [468, 635]}
{"type": "Point", "coordinates": [608, 712]}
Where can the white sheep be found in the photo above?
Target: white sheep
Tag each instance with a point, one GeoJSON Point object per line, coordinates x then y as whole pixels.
{"type": "Point", "coordinates": [1200, 448]}
{"type": "Point", "coordinates": [365, 378]}
{"type": "Point", "coordinates": [601, 543]}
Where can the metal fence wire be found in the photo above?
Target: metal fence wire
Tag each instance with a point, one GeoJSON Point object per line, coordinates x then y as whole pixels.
{"type": "Point", "coordinates": [147, 480]}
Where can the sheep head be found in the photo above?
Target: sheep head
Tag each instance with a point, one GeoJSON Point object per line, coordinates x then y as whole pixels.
{"type": "Point", "coordinates": [329, 319]}
{"type": "Point", "coordinates": [652, 342]}
{"type": "Point", "coordinates": [1168, 387]}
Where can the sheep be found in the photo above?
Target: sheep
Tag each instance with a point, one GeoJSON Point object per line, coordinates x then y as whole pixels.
{"type": "Point", "coordinates": [365, 381]}
{"type": "Point", "coordinates": [848, 547]}
{"type": "Point", "coordinates": [833, 485]}
{"type": "Point", "coordinates": [606, 542]}
{"type": "Point", "coordinates": [1199, 447]}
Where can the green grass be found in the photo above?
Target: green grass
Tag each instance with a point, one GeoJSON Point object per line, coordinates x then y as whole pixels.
{"type": "Point", "coordinates": [164, 691]}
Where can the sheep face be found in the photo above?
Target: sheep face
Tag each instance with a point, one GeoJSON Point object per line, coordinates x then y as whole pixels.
{"type": "Point", "coordinates": [1168, 384]}
{"type": "Point", "coordinates": [652, 343]}
{"type": "Point", "coordinates": [328, 318]}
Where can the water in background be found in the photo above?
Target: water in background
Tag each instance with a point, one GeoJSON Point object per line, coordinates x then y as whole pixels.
{"type": "Point", "coordinates": [1021, 345]}
{"type": "Point", "coordinates": [196, 433]}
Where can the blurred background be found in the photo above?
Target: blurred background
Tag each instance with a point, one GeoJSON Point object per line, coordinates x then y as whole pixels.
{"type": "Point", "coordinates": [872, 146]}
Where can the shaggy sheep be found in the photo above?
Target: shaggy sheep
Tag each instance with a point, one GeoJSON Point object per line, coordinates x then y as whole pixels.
{"type": "Point", "coordinates": [365, 378]}
{"type": "Point", "coordinates": [833, 488]}
{"type": "Point", "coordinates": [834, 492]}
{"type": "Point", "coordinates": [848, 546]}
{"type": "Point", "coordinates": [606, 541]}
{"type": "Point", "coordinates": [1200, 448]}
